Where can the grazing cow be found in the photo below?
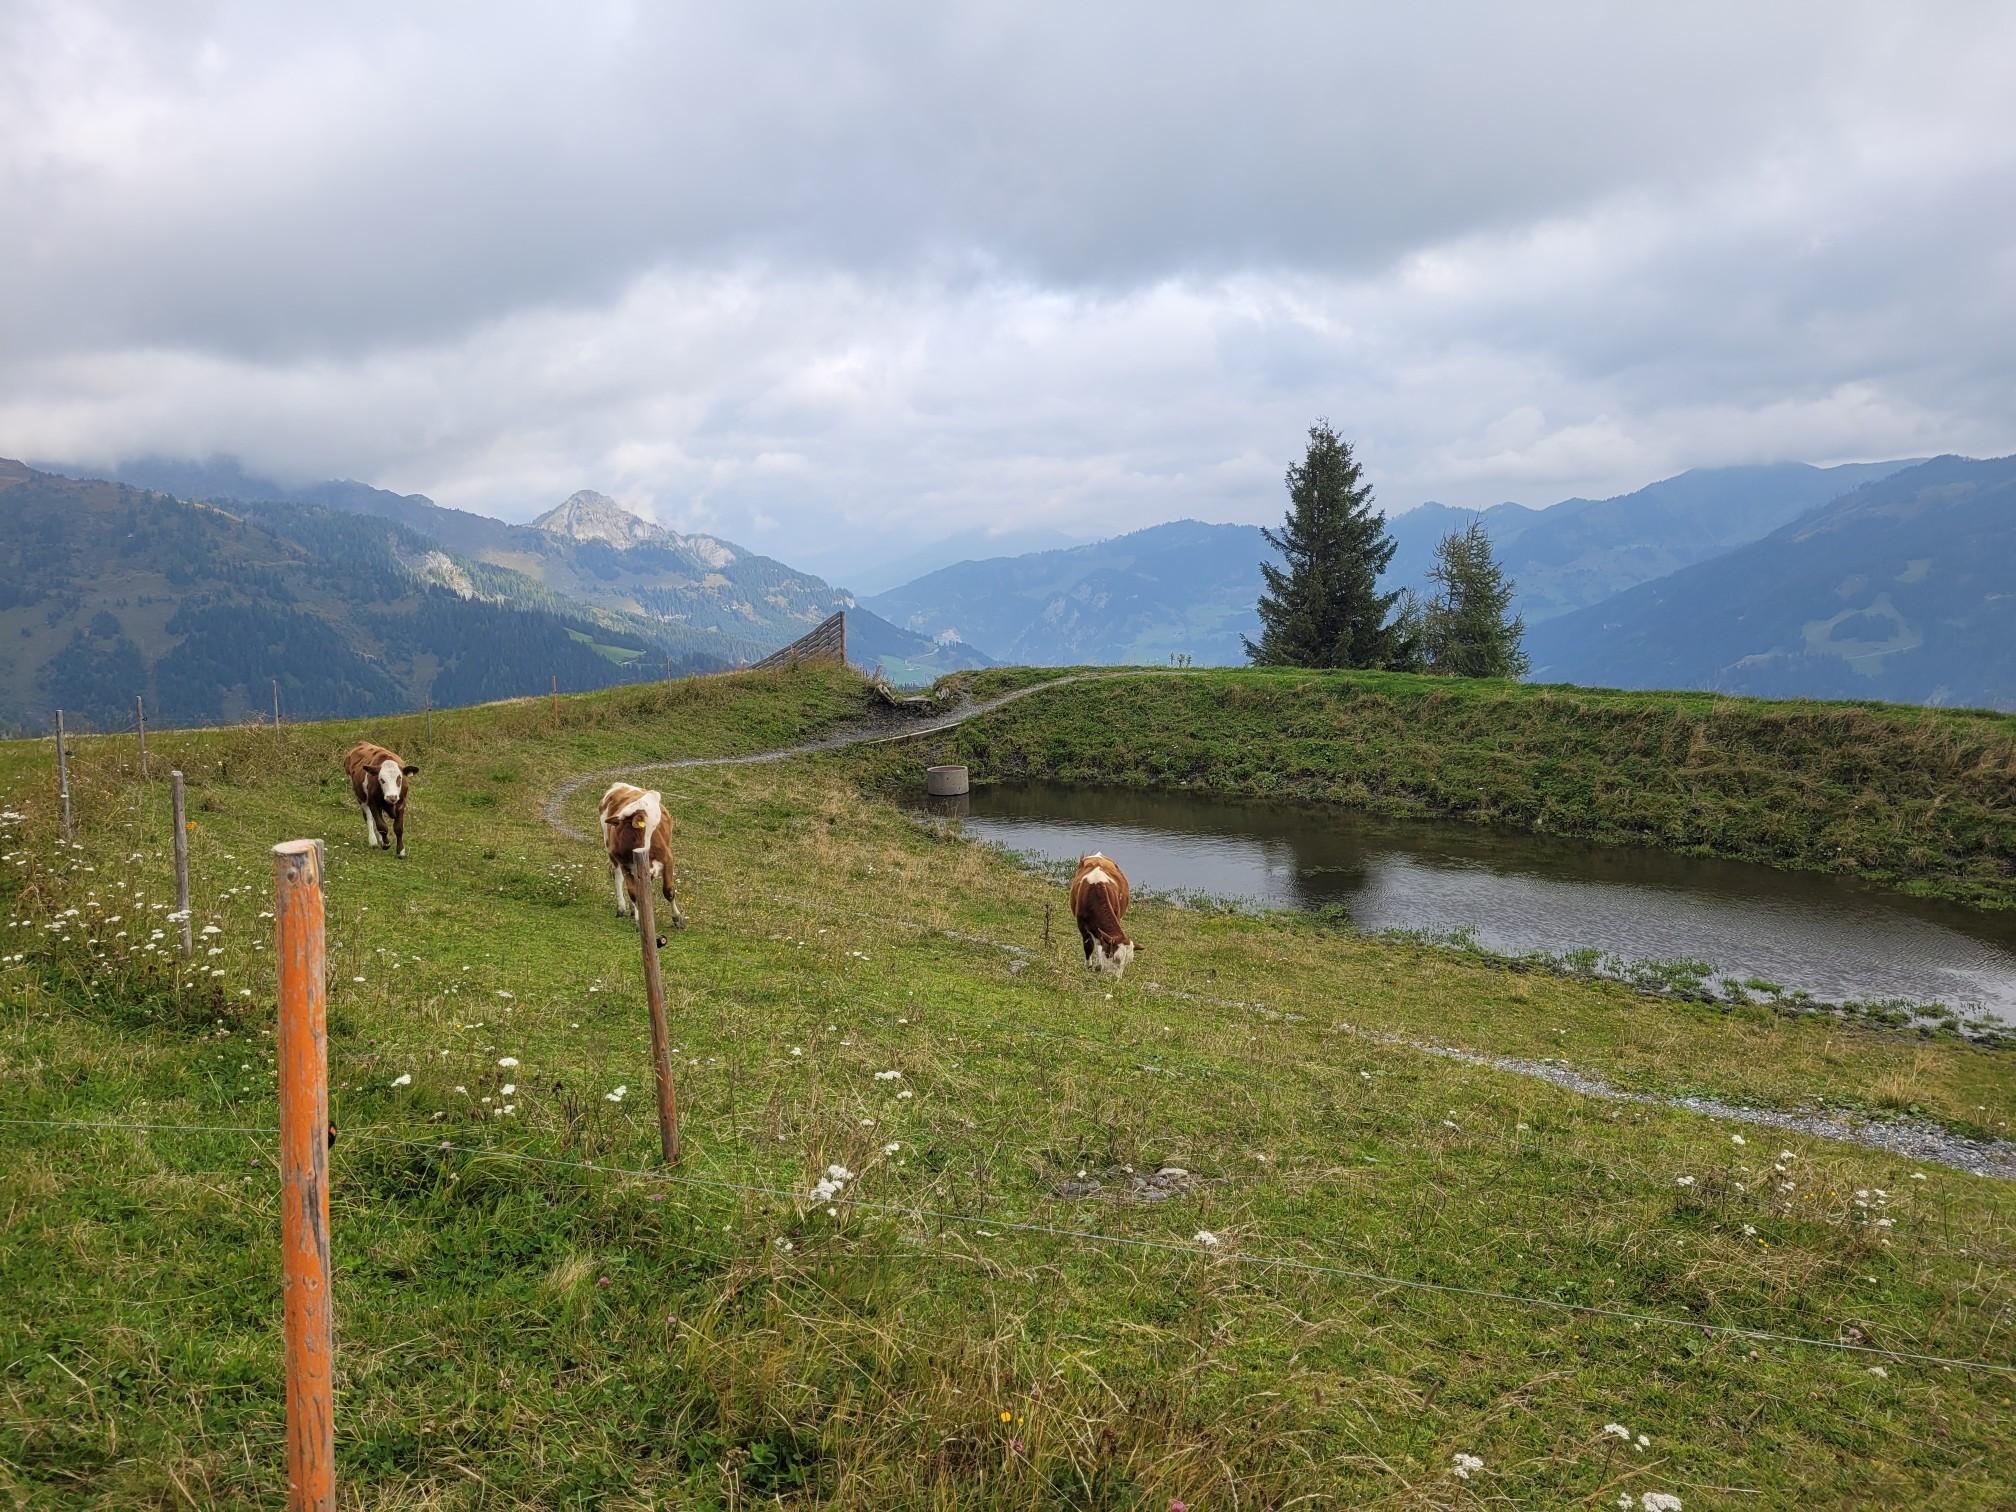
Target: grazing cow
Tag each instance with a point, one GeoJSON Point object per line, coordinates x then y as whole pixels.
{"type": "Point", "coordinates": [378, 782]}
{"type": "Point", "coordinates": [633, 817]}
{"type": "Point", "coordinates": [1099, 897]}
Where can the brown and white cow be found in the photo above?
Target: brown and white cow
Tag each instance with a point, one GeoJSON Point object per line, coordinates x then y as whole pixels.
{"type": "Point", "coordinates": [633, 817]}
{"type": "Point", "coordinates": [378, 782]}
{"type": "Point", "coordinates": [1099, 897]}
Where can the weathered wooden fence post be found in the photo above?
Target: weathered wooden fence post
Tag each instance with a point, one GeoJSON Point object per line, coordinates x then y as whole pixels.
{"type": "Point", "coordinates": [63, 774]}
{"type": "Point", "coordinates": [276, 703]}
{"type": "Point", "coordinates": [304, 1175]}
{"type": "Point", "coordinates": [140, 722]}
{"type": "Point", "coordinates": [1047, 907]}
{"type": "Point", "coordinates": [654, 993]}
{"type": "Point", "coordinates": [181, 861]}
{"type": "Point", "coordinates": [553, 704]}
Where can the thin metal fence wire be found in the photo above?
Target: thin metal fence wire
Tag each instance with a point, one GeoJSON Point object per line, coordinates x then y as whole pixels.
{"type": "Point", "coordinates": [1191, 1251]}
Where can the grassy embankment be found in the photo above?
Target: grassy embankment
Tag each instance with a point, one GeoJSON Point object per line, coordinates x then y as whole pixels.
{"type": "Point", "coordinates": [1923, 800]}
{"type": "Point", "coordinates": [515, 1333]}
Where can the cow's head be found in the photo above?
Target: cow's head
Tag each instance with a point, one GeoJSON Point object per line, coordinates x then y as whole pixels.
{"type": "Point", "coordinates": [1110, 959]}
{"type": "Point", "coordinates": [392, 780]}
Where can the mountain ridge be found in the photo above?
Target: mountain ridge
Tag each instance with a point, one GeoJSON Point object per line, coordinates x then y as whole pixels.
{"type": "Point", "coordinates": [1133, 597]}
{"type": "Point", "coordinates": [1902, 590]}
{"type": "Point", "coordinates": [707, 597]}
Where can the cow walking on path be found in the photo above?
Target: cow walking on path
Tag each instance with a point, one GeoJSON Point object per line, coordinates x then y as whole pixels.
{"type": "Point", "coordinates": [1099, 897]}
{"type": "Point", "coordinates": [378, 782]}
{"type": "Point", "coordinates": [634, 817]}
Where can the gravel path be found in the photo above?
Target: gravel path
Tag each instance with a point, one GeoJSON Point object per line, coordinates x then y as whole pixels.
{"type": "Point", "coordinates": [1913, 1140]}
{"type": "Point", "coordinates": [884, 732]}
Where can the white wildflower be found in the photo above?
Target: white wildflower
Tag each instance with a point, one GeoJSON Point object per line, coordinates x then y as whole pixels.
{"type": "Point", "coordinates": [1659, 1501]}
{"type": "Point", "coordinates": [891, 1148]}
{"type": "Point", "coordinates": [1685, 1181]}
{"type": "Point", "coordinates": [507, 1089]}
{"type": "Point", "coordinates": [1206, 1238]}
{"type": "Point", "coordinates": [1464, 1464]}
{"type": "Point", "coordinates": [507, 1061]}
{"type": "Point", "coordinates": [210, 929]}
{"type": "Point", "coordinates": [1879, 1371]}
{"type": "Point", "coordinates": [888, 1076]}
{"type": "Point", "coordinates": [1618, 1430]}
{"type": "Point", "coordinates": [1737, 1139]}
{"type": "Point", "coordinates": [616, 1094]}
{"type": "Point", "coordinates": [403, 1081]}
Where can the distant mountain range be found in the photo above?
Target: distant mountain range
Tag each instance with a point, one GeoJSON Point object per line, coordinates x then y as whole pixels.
{"type": "Point", "coordinates": [1903, 590]}
{"type": "Point", "coordinates": [358, 599]}
{"type": "Point", "coordinates": [1181, 587]}
{"type": "Point", "coordinates": [1891, 580]}
{"type": "Point", "coordinates": [1581, 551]}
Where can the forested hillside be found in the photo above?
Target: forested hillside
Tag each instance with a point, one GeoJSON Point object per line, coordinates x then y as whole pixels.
{"type": "Point", "coordinates": [1903, 590]}
{"type": "Point", "coordinates": [107, 592]}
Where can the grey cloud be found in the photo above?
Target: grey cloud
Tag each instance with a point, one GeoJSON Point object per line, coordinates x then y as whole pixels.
{"type": "Point", "coordinates": [790, 274]}
{"type": "Point", "coordinates": [358, 180]}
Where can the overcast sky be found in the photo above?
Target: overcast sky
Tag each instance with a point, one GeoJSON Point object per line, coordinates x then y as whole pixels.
{"type": "Point", "coordinates": [810, 274]}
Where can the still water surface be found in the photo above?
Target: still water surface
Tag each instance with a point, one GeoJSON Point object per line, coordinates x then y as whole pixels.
{"type": "Point", "coordinates": [1832, 937]}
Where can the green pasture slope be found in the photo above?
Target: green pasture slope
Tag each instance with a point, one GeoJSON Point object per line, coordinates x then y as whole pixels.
{"type": "Point", "coordinates": [528, 1317]}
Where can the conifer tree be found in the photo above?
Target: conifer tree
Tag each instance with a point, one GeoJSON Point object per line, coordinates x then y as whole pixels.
{"type": "Point", "coordinates": [1324, 607]}
{"type": "Point", "coordinates": [1467, 629]}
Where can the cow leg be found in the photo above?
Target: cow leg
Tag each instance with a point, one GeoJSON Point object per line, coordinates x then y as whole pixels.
{"type": "Point", "coordinates": [622, 892]}
{"type": "Point", "coordinates": [399, 830]}
{"type": "Point", "coordinates": [370, 825]}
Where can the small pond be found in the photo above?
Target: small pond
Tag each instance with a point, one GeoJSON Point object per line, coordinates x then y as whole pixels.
{"type": "Point", "coordinates": [1834, 938]}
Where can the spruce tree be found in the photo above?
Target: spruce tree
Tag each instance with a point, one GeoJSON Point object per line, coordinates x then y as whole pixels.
{"type": "Point", "coordinates": [1467, 628]}
{"type": "Point", "coordinates": [1324, 607]}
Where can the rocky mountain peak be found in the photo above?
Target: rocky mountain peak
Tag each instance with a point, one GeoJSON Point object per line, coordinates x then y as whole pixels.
{"type": "Point", "coordinates": [592, 516]}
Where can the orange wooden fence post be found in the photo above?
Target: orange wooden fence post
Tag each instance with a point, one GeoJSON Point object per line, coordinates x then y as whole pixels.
{"type": "Point", "coordinates": [304, 1175]}
{"type": "Point", "coordinates": [654, 995]}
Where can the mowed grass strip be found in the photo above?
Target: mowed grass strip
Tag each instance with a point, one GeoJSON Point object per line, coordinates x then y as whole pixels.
{"type": "Point", "coordinates": [518, 1330]}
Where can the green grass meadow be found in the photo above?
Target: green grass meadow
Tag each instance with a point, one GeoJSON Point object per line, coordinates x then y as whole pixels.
{"type": "Point", "coordinates": [1369, 1269]}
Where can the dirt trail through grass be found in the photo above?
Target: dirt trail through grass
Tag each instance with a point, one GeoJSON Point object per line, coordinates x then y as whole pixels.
{"type": "Point", "coordinates": [883, 732]}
